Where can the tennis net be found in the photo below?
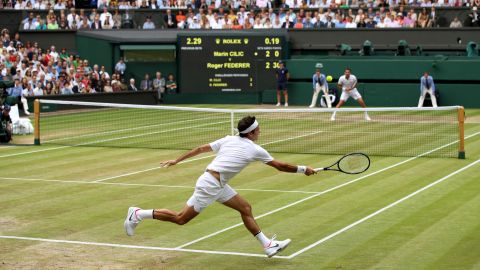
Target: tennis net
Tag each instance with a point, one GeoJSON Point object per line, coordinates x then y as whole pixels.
{"type": "Point", "coordinates": [391, 131]}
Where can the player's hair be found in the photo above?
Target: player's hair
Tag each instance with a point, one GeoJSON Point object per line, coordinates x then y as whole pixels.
{"type": "Point", "coordinates": [244, 123]}
{"type": "Point", "coordinates": [348, 68]}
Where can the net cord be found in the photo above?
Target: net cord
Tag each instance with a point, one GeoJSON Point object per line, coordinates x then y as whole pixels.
{"type": "Point", "coordinates": [193, 109]}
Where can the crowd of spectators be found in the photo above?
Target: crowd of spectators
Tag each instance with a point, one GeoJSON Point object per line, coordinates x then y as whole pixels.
{"type": "Point", "coordinates": [382, 17]}
{"type": "Point", "coordinates": [36, 71]}
{"type": "Point", "coordinates": [243, 14]}
{"type": "Point", "coordinates": [232, 4]}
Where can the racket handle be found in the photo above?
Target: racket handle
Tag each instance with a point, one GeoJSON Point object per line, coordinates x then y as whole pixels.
{"type": "Point", "coordinates": [318, 169]}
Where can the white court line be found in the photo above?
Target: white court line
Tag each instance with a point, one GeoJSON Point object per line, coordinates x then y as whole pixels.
{"type": "Point", "coordinates": [381, 210]}
{"type": "Point", "coordinates": [137, 247]}
{"type": "Point", "coordinates": [247, 254]}
{"type": "Point", "coordinates": [181, 249]}
{"type": "Point", "coordinates": [321, 193]}
{"type": "Point", "coordinates": [200, 158]}
{"type": "Point", "coordinates": [147, 170]}
{"type": "Point", "coordinates": [113, 139]}
{"type": "Point", "coordinates": [147, 185]}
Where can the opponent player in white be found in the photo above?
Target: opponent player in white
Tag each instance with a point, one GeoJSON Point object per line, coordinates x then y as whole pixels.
{"type": "Point", "coordinates": [233, 154]}
{"type": "Point", "coordinates": [320, 84]}
{"type": "Point", "coordinates": [348, 84]}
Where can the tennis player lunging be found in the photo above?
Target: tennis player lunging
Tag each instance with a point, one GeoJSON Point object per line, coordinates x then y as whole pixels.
{"type": "Point", "coordinates": [348, 84]}
{"type": "Point", "coordinates": [233, 154]}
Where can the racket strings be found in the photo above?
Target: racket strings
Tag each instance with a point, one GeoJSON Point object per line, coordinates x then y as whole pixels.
{"type": "Point", "coordinates": [354, 164]}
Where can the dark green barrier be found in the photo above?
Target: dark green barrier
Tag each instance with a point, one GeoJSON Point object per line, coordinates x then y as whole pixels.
{"type": "Point", "coordinates": [392, 68]}
{"type": "Point", "coordinates": [387, 95]}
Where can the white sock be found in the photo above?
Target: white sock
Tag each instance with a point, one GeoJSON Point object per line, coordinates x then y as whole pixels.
{"type": "Point", "coordinates": [144, 214]}
{"type": "Point", "coordinates": [262, 239]}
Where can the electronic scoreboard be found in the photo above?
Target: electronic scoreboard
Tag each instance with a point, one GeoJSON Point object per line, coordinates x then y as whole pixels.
{"type": "Point", "coordinates": [233, 62]}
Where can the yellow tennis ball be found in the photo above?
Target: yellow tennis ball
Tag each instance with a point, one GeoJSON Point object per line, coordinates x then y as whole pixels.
{"type": "Point", "coordinates": [329, 78]}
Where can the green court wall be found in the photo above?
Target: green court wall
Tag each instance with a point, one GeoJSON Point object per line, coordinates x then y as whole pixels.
{"type": "Point", "coordinates": [383, 80]}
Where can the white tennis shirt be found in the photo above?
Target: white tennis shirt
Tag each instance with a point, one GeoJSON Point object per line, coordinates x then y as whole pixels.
{"type": "Point", "coordinates": [347, 83]}
{"type": "Point", "coordinates": [233, 154]}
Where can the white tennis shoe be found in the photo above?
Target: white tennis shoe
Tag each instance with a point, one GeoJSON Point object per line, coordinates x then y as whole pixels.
{"type": "Point", "coordinates": [276, 246]}
{"type": "Point", "coordinates": [131, 221]}
{"type": "Point", "coordinates": [286, 104]}
{"type": "Point", "coordinates": [278, 104]}
{"type": "Point", "coordinates": [368, 118]}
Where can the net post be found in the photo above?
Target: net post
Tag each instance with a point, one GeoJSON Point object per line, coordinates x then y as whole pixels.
{"type": "Point", "coordinates": [461, 132]}
{"type": "Point", "coordinates": [36, 108]}
{"type": "Point", "coordinates": [232, 124]}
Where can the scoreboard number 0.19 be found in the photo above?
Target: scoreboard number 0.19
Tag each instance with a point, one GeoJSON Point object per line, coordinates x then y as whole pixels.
{"type": "Point", "coordinates": [272, 41]}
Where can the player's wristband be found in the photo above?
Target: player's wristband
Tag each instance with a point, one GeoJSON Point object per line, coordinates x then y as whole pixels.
{"type": "Point", "coordinates": [301, 169]}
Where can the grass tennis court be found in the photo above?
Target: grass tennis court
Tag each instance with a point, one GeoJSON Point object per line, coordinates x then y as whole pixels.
{"type": "Point", "coordinates": [64, 207]}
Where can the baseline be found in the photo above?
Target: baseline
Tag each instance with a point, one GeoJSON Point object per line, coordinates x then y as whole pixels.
{"type": "Point", "coordinates": [136, 246]}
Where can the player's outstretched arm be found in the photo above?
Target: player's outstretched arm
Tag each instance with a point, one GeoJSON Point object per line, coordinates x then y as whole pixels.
{"type": "Point", "coordinates": [285, 167]}
{"type": "Point", "coordinates": [196, 151]}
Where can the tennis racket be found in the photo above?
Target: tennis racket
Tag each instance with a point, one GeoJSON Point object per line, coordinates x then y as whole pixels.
{"type": "Point", "coordinates": [353, 163]}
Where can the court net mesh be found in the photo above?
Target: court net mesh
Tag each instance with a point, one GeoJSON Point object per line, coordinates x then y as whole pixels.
{"type": "Point", "coordinates": [390, 132]}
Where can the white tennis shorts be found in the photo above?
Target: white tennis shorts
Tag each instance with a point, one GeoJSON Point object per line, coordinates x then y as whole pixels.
{"type": "Point", "coordinates": [353, 93]}
{"type": "Point", "coordinates": [207, 191]}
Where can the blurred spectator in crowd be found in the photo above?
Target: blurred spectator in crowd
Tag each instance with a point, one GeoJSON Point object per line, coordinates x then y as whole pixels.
{"type": "Point", "coordinates": [59, 5]}
{"type": "Point", "coordinates": [195, 24]}
{"type": "Point", "coordinates": [146, 83]}
{"type": "Point", "coordinates": [88, 89]}
{"type": "Point", "coordinates": [127, 20]}
{"type": "Point", "coordinates": [52, 24]}
{"type": "Point", "coordinates": [107, 88]}
{"type": "Point", "coordinates": [423, 20]}
{"type": "Point", "coordinates": [117, 19]}
{"type": "Point", "coordinates": [181, 19]}
{"type": "Point", "coordinates": [170, 20]}
{"type": "Point", "coordinates": [30, 24]}
{"type": "Point", "coordinates": [41, 25]}
{"type": "Point", "coordinates": [120, 67]}
{"type": "Point", "coordinates": [16, 92]}
{"type": "Point", "coordinates": [85, 24]}
{"type": "Point", "coordinates": [96, 24]}
{"type": "Point", "coordinates": [456, 23]}
{"type": "Point", "coordinates": [171, 84]}
{"type": "Point", "coordinates": [159, 85]}
{"type": "Point", "coordinates": [473, 18]}
{"type": "Point", "coordinates": [131, 86]}
{"type": "Point", "coordinates": [38, 90]}
{"type": "Point", "coordinates": [106, 16]}
{"type": "Point", "coordinates": [73, 19]}
{"type": "Point", "coordinates": [287, 23]}
{"type": "Point", "coordinates": [148, 24]}
{"type": "Point", "coordinates": [103, 73]}
{"type": "Point", "coordinates": [107, 23]}
{"type": "Point", "coordinates": [39, 4]}
{"type": "Point", "coordinates": [27, 90]}
{"type": "Point", "coordinates": [66, 89]}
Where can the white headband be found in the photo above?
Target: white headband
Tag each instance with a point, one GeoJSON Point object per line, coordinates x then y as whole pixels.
{"type": "Point", "coordinates": [250, 128]}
